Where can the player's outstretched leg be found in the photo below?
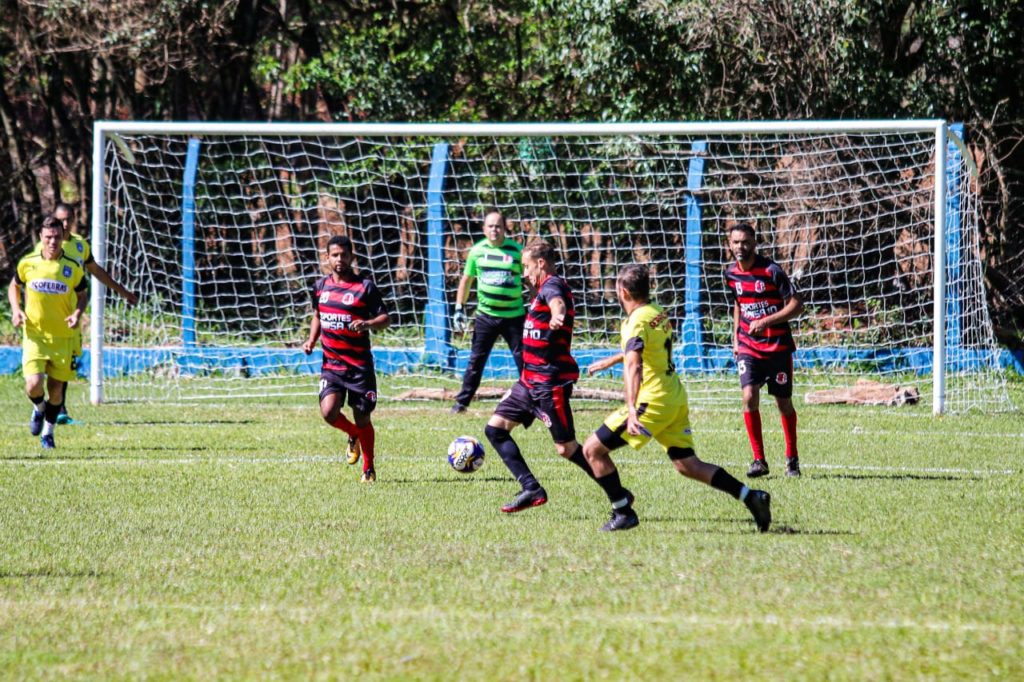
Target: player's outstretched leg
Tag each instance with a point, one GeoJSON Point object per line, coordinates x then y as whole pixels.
{"type": "Point", "coordinates": [758, 502]}
{"type": "Point", "coordinates": [532, 494]}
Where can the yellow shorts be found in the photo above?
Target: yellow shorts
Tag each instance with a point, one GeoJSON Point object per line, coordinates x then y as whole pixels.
{"type": "Point", "coordinates": [52, 357]}
{"type": "Point", "coordinates": [667, 424]}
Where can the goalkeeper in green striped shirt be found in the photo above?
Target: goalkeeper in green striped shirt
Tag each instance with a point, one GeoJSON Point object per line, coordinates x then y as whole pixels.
{"type": "Point", "coordinates": [495, 263]}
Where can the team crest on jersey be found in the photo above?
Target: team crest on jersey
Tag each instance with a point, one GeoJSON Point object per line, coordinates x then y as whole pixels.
{"type": "Point", "coordinates": [739, 287]}
{"type": "Point", "coordinates": [79, 246]}
{"type": "Point", "coordinates": [759, 286]}
{"type": "Point", "coordinates": [781, 378]}
{"type": "Point", "coordinates": [67, 270]}
{"type": "Point", "coordinates": [371, 396]}
{"type": "Point", "coordinates": [348, 299]}
{"type": "Point", "coordinates": [325, 297]}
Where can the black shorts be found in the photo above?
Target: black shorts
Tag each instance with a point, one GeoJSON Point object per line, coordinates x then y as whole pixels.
{"type": "Point", "coordinates": [359, 386]}
{"type": "Point", "coordinates": [550, 404]}
{"type": "Point", "coordinates": [776, 370]}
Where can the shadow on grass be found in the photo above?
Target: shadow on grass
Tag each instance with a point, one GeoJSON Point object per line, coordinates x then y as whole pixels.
{"type": "Point", "coordinates": [164, 422]}
{"type": "Point", "coordinates": [50, 573]}
{"type": "Point", "coordinates": [465, 479]}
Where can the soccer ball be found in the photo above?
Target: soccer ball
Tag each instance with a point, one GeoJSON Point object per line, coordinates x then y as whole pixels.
{"type": "Point", "coordinates": [466, 454]}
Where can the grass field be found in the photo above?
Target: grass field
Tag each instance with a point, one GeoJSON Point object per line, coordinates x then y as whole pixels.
{"type": "Point", "coordinates": [232, 541]}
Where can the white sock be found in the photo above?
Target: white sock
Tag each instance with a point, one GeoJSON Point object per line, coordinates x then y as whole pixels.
{"type": "Point", "coordinates": [48, 428]}
{"type": "Point", "coordinates": [743, 493]}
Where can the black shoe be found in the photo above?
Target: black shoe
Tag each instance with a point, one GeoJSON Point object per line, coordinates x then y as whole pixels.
{"type": "Point", "coordinates": [35, 423]}
{"type": "Point", "coordinates": [458, 409]}
{"type": "Point", "coordinates": [758, 468]}
{"type": "Point", "coordinates": [526, 499]}
{"type": "Point", "coordinates": [760, 505]}
{"type": "Point", "coordinates": [793, 466]}
{"type": "Point", "coordinates": [622, 519]}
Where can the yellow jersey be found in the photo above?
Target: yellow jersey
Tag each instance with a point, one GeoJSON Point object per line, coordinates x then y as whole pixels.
{"type": "Point", "coordinates": [649, 331]}
{"type": "Point", "coordinates": [51, 288]}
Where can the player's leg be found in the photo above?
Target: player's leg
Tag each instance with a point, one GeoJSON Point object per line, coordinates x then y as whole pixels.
{"type": "Point", "coordinates": [62, 416]}
{"type": "Point", "coordinates": [750, 371]}
{"type": "Point", "coordinates": [332, 400]}
{"type": "Point", "coordinates": [54, 394]}
{"type": "Point", "coordinates": [515, 408]}
{"type": "Point", "coordinates": [486, 330]}
{"type": "Point", "coordinates": [363, 399]}
{"type": "Point", "coordinates": [597, 450]}
{"type": "Point", "coordinates": [780, 386]}
{"type": "Point", "coordinates": [35, 389]}
{"type": "Point", "coordinates": [512, 332]}
{"type": "Point", "coordinates": [758, 502]}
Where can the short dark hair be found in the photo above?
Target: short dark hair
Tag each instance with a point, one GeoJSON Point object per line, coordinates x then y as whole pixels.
{"type": "Point", "coordinates": [744, 227]}
{"type": "Point", "coordinates": [504, 222]}
{"type": "Point", "coordinates": [636, 280]}
{"type": "Point", "coordinates": [51, 223]}
{"type": "Point", "coordinates": [340, 240]}
{"type": "Point", "coordinates": [541, 248]}
{"type": "Point", "coordinates": [65, 206]}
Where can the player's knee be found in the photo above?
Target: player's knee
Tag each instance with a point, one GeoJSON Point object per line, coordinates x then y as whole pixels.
{"type": "Point", "coordinates": [785, 406]}
{"type": "Point", "coordinates": [683, 459]}
{"type": "Point", "coordinates": [567, 450]}
{"type": "Point", "coordinates": [329, 412]}
{"type": "Point", "coordinates": [496, 435]}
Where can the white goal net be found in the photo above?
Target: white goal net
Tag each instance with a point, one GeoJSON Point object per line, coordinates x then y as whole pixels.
{"type": "Point", "coordinates": [221, 228]}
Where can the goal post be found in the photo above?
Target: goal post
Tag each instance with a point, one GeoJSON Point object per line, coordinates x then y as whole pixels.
{"type": "Point", "coordinates": [221, 227]}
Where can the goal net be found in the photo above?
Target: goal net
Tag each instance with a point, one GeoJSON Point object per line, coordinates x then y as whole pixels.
{"type": "Point", "coordinates": [221, 229]}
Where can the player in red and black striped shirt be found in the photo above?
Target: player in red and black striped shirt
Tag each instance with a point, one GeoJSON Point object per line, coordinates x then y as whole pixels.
{"type": "Point", "coordinates": [544, 389]}
{"type": "Point", "coordinates": [764, 301]}
{"type": "Point", "coordinates": [346, 306]}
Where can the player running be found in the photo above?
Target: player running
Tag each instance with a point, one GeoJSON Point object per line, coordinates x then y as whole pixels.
{"type": "Point", "coordinates": [545, 386]}
{"type": "Point", "coordinates": [656, 405]}
{"type": "Point", "coordinates": [55, 296]}
{"type": "Point", "coordinates": [764, 301]}
{"type": "Point", "coordinates": [346, 306]}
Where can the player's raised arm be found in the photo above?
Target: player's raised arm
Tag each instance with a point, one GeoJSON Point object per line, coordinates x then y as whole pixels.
{"type": "Point", "coordinates": [604, 363]}
{"type": "Point", "coordinates": [98, 271]}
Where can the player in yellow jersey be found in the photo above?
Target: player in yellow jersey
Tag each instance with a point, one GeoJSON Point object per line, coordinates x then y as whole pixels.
{"type": "Point", "coordinates": [55, 296]}
{"type": "Point", "coordinates": [656, 405]}
{"type": "Point", "coordinates": [77, 248]}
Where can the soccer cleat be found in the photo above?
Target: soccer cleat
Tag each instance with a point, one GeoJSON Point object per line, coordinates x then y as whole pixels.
{"type": "Point", "coordinates": [35, 423]}
{"type": "Point", "coordinates": [526, 499]}
{"type": "Point", "coordinates": [354, 450]}
{"type": "Point", "coordinates": [369, 476]}
{"type": "Point", "coordinates": [622, 519]}
{"type": "Point", "coordinates": [47, 442]}
{"type": "Point", "coordinates": [64, 418]}
{"type": "Point", "coordinates": [760, 505]}
{"type": "Point", "coordinates": [758, 467]}
{"type": "Point", "coordinates": [458, 409]}
{"type": "Point", "coordinates": [793, 466]}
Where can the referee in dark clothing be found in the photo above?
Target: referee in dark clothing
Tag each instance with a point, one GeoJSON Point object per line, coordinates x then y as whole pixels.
{"type": "Point", "coordinates": [496, 263]}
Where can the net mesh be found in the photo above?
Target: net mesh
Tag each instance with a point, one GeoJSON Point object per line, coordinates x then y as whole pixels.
{"type": "Point", "coordinates": [849, 216]}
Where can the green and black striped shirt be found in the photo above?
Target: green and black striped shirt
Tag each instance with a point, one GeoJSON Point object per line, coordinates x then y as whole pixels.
{"type": "Point", "coordinates": [499, 277]}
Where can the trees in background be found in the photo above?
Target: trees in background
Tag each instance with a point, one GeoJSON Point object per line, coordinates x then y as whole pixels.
{"type": "Point", "coordinates": [67, 63]}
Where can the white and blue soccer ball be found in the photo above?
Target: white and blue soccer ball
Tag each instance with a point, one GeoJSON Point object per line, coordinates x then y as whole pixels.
{"type": "Point", "coordinates": [466, 454]}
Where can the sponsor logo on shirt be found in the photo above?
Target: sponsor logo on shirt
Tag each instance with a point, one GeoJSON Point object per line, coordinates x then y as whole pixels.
{"type": "Point", "coordinates": [48, 286]}
{"type": "Point", "coordinates": [497, 278]}
{"type": "Point", "coordinates": [335, 321]}
{"type": "Point", "coordinates": [759, 286]}
{"type": "Point", "coordinates": [347, 299]}
{"type": "Point", "coordinates": [67, 271]}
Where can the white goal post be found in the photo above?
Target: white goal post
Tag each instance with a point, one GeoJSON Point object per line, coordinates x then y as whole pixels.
{"type": "Point", "coordinates": [220, 227]}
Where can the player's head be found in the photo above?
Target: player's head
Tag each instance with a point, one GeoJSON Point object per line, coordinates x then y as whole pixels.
{"type": "Point", "coordinates": [65, 214]}
{"type": "Point", "coordinates": [539, 258]}
{"type": "Point", "coordinates": [339, 254]}
{"type": "Point", "coordinates": [495, 228]}
{"type": "Point", "coordinates": [633, 286]}
{"type": "Point", "coordinates": [743, 242]}
{"type": "Point", "coordinates": [51, 234]}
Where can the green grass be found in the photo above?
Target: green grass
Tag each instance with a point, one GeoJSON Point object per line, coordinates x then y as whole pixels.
{"type": "Point", "coordinates": [228, 541]}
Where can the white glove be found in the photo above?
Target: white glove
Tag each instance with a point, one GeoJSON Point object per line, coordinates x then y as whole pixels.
{"type": "Point", "coordinates": [460, 322]}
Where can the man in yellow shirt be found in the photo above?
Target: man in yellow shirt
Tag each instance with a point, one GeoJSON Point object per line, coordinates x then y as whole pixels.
{"type": "Point", "coordinates": [77, 248]}
{"type": "Point", "coordinates": [55, 295]}
{"type": "Point", "coordinates": [656, 405]}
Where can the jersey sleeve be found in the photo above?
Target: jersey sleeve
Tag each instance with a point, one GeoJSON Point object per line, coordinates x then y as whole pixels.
{"type": "Point", "coordinates": [374, 301]}
{"type": "Point", "coordinates": [783, 283]}
{"type": "Point", "coordinates": [731, 293]}
{"type": "Point", "coordinates": [314, 295]}
{"type": "Point", "coordinates": [636, 337]}
{"type": "Point", "coordinates": [83, 282]}
{"type": "Point", "coordinates": [21, 272]}
{"type": "Point", "coordinates": [471, 269]}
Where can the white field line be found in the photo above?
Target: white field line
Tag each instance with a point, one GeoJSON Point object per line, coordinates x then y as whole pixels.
{"type": "Point", "coordinates": [659, 461]}
{"type": "Point", "coordinates": [436, 615]}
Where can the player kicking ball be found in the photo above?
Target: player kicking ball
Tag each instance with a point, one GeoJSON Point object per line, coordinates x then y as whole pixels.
{"type": "Point", "coordinates": [346, 307]}
{"type": "Point", "coordinates": [545, 386]}
{"type": "Point", "coordinates": [656, 405]}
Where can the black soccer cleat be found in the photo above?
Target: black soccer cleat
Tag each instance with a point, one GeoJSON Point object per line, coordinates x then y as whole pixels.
{"type": "Point", "coordinates": [793, 466]}
{"type": "Point", "coordinates": [758, 468]}
{"type": "Point", "coordinates": [760, 505]}
{"type": "Point", "coordinates": [458, 409]}
{"type": "Point", "coordinates": [35, 423]}
{"type": "Point", "coordinates": [622, 519]}
{"type": "Point", "coordinates": [526, 499]}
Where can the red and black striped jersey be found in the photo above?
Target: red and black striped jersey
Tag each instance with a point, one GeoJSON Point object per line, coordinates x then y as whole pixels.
{"type": "Point", "coordinates": [547, 357]}
{"type": "Point", "coordinates": [762, 290]}
{"type": "Point", "coordinates": [338, 304]}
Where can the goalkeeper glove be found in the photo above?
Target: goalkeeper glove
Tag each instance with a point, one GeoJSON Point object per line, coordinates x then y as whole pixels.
{"type": "Point", "coordinates": [459, 320]}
